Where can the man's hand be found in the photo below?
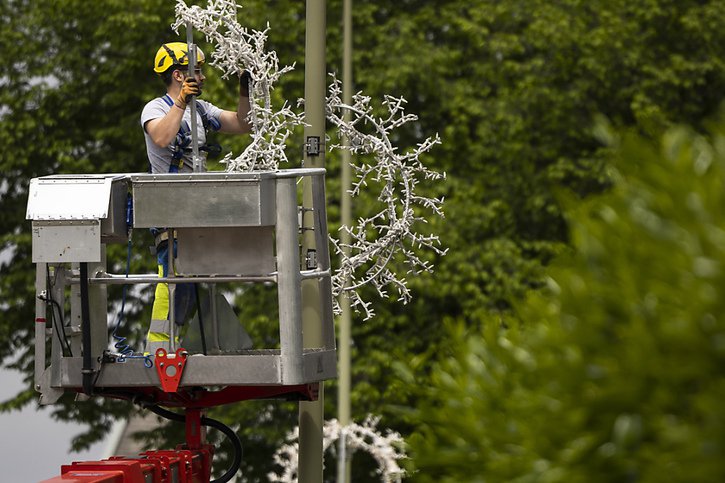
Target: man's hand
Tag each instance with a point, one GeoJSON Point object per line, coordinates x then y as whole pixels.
{"type": "Point", "coordinates": [189, 88]}
{"type": "Point", "coordinates": [244, 80]}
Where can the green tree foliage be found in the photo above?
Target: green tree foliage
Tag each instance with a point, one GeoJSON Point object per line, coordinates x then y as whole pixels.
{"type": "Point", "coordinates": [513, 87]}
{"type": "Point", "coordinates": [615, 371]}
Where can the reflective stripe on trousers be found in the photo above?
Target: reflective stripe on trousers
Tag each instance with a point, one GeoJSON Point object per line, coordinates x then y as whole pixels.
{"type": "Point", "coordinates": [184, 303]}
{"type": "Point", "coordinates": [158, 336]}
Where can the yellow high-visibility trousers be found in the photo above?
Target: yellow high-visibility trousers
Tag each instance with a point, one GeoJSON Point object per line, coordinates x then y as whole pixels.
{"type": "Point", "coordinates": [184, 305]}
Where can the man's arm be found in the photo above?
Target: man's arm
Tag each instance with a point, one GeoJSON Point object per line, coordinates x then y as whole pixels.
{"type": "Point", "coordinates": [236, 122]}
{"type": "Point", "coordinates": [163, 130]}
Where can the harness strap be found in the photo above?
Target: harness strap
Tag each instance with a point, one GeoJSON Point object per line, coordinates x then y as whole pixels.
{"type": "Point", "coordinates": [183, 138]}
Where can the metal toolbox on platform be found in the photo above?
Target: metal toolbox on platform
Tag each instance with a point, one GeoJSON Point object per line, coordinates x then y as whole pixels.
{"type": "Point", "coordinates": [203, 200]}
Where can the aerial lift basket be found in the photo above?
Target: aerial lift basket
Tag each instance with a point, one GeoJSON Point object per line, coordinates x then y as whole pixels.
{"type": "Point", "coordinates": [230, 227]}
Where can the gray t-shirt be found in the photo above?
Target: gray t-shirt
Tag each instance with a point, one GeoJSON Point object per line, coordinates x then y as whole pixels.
{"type": "Point", "coordinates": [161, 158]}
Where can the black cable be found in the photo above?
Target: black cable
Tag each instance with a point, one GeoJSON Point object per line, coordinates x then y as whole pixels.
{"type": "Point", "coordinates": [166, 414]}
{"type": "Point", "coordinates": [64, 338]}
{"type": "Point", "coordinates": [49, 299]}
{"type": "Point", "coordinates": [234, 439]}
{"type": "Point", "coordinates": [201, 322]}
{"type": "Point", "coordinates": [87, 369]}
{"type": "Point", "coordinates": [226, 430]}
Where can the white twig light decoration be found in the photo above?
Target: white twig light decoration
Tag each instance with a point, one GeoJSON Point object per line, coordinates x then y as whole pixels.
{"type": "Point", "coordinates": [393, 228]}
{"type": "Point", "coordinates": [238, 49]}
{"type": "Point", "coordinates": [386, 449]}
{"type": "Point", "coordinates": [388, 236]}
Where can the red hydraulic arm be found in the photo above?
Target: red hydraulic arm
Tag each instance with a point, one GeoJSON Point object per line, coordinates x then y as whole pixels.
{"type": "Point", "coordinates": [190, 462]}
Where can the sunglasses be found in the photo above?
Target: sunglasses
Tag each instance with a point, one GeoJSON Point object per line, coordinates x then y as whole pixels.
{"type": "Point", "coordinates": [197, 71]}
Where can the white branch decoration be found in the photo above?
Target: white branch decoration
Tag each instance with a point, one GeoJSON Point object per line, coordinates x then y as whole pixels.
{"type": "Point", "coordinates": [377, 241]}
{"type": "Point", "coordinates": [387, 450]}
{"type": "Point", "coordinates": [237, 49]}
{"type": "Point", "coordinates": [393, 227]}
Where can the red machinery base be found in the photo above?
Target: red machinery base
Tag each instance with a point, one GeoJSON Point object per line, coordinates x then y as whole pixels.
{"type": "Point", "coordinates": [189, 463]}
{"type": "Point", "coordinates": [174, 466]}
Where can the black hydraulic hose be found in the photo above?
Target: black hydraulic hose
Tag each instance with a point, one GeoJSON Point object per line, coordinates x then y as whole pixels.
{"type": "Point", "coordinates": [59, 325]}
{"type": "Point", "coordinates": [228, 432]}
{"type": "Point", "coordinates": [55, 305]}
{"type": "Point", "coordinates": [201, 321]}
{"type": "Point", "coordinates": [166, 414]}
{"type": "Point", "coordinates": [234, 439]}
{"type": "Point", "coordinates": [87, 370]}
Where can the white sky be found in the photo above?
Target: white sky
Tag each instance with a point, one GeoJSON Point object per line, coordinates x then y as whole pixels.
{"type": "Point", "coordinates": [32, 445]}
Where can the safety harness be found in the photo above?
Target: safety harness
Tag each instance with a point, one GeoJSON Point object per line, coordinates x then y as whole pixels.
{"type": "Point", "coordinates": [182, 142]}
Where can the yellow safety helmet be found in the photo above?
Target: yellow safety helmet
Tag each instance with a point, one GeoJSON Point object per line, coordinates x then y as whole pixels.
{"type": "Point", "coordinates": [175, 53]}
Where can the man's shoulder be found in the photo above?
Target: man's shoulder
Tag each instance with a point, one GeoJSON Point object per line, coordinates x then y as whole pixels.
{"type": "Point", "coordinates": [157, 107]}
{"type": "Point", "coordinates": [209, 110]}
{"type": "Point", "coordinates": [163, 101]}
{"type": "Point", "coordinates": [208, 106]}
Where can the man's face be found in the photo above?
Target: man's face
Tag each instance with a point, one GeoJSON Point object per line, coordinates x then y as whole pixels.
{"type": "Point", "coordinates": [198, 74]}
